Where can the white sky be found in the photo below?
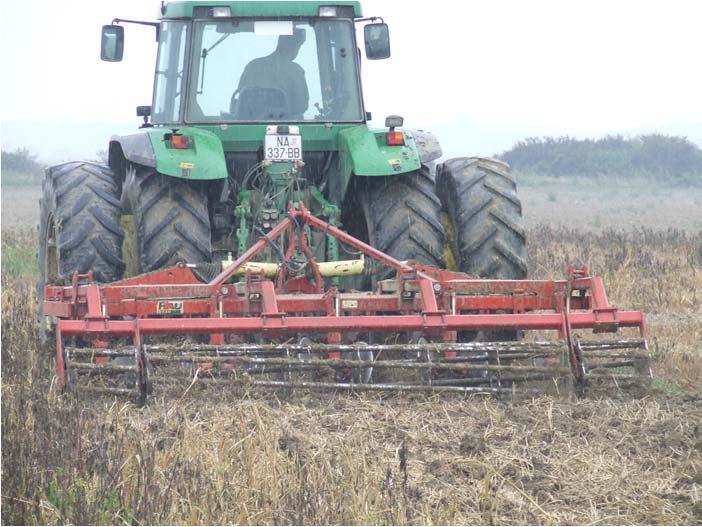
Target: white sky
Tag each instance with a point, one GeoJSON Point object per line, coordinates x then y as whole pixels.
{"type": "Point", "coordinates": [579, 67]}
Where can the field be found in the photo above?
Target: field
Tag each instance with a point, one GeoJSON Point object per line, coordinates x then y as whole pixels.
{"type": "Point", "coordinates": [210, 457]}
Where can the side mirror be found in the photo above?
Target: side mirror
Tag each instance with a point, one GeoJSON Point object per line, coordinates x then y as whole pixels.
{"type": "Point", "coordinates": [377, 39]}
{"type": "Point", "coordinates": [112, 43]}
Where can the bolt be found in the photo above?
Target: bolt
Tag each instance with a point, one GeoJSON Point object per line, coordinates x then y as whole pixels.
{"type": "Point", "coordinates": [437, 287]}
{"type": "Point", "coordinates": [225, 291]}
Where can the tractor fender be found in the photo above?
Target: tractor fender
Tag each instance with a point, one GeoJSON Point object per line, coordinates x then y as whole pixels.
{"type": "Point", "coordinates": [364, 152]}
{"type": "Point", "coordinates": [151, 147]}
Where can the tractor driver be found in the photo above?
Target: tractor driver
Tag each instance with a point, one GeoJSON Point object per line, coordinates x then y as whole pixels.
{"type": "Point", "coordinates": [277, 72]}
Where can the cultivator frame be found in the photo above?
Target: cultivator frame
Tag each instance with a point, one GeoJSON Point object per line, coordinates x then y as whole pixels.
{"type": "Point", "coordinates": [429, 305]}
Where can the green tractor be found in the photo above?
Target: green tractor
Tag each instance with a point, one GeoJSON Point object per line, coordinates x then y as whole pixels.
{"type": "Point", "coordinates": [256, 106]}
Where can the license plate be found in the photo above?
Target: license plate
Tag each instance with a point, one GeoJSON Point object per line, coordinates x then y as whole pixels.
{"type": "Point", "coordinates": [283, 147]}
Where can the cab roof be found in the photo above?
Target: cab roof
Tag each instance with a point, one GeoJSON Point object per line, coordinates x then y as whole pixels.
{"type": "Point", "coordinates": [249, 8]}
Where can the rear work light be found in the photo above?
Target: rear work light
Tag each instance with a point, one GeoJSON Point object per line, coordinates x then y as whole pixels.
{"type": "Point", "coordinates": [337, 11]}
{"type": "Point", "coordinates": [212, 11]}
{"type": "Point", "coordinates": [181, 142]}
{"type": "Point", "coordinates": [394, 138]}
{"type": "Point", "coordinates": [327, 10]}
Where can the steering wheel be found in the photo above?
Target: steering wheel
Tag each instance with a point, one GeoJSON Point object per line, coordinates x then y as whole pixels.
{"type": "Point", "coordinates": [260, 103]}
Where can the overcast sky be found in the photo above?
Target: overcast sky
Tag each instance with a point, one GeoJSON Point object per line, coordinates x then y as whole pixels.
{"type": "Point", "coordinates": [583, 68]}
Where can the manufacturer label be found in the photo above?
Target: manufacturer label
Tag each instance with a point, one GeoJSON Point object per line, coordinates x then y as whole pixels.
{"type": "Point", "coordinates": [186, 168]}
{"type": "Point", "coordinates": [167, 307]}
{"type": "Point", "coordinates": [396, 164]}
{"type": "Point", "coordinates": [349, 304]}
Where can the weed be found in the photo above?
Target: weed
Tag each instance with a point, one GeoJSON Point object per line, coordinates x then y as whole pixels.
{"type": "Point", "coordinates": [666, 386]}
{"type": "Point", "coordinates": [19, 253]}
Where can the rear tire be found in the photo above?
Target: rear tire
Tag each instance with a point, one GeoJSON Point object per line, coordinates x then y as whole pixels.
{"type": "Point", "coordinates": [400, 216]}
{"type": "Point", "coordinates": [480, 197]}
{"type": "Point", "coordinates": [172, 222]}
{"type": "Point", "coordinates": [79, 226]}
{"type": "Point", "coordinates": [489, 240]}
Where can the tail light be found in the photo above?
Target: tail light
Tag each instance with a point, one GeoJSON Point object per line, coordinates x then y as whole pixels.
{"type": "Point", "coordinates": [181, 142]}
{"type": "Point", "coordinates": [394, 138]}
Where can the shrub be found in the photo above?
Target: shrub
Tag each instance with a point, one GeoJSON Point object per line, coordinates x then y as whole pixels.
{"type": "Point", "coordinates": [669, 158]}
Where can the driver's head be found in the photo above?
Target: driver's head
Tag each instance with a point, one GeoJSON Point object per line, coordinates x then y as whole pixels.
{"type": "Point", "coordinates": [289, 45]}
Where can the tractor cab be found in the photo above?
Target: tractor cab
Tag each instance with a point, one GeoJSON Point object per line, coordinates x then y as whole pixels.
{"type": "Point", "coordinates": [233, 62]}
{"type": "Point", "coordinates": [241, 71]}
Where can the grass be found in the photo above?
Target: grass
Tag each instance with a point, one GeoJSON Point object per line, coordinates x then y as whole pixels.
{"type": "Point", "coordinates": [654, 270]}
{"type": "Point", "coordinates": [593, 181]}
{"type": "Point", "coordinates": [16, 178]}
{"type": "Point", "coordinates": [19, 253]}
{"type": "Point", "coordinates": [624, 204]}
{"type": "Point", "coordinates": [237, 457]}
{"type": "Point", "coordinates": [664, 385]}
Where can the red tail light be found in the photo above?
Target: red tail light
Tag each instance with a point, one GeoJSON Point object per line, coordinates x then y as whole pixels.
{"type": "Point", "coordinates": [395, 138]}
{"type": "Point", "coordinates": [181, 142]}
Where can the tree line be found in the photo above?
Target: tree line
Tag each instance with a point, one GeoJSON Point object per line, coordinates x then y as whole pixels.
{"type": "Point", "coordinates": [655, 155]}
{"type": "Point", "coordinates": [21, 167]}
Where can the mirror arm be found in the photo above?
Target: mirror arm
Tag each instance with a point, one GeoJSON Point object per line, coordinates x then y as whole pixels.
{"type": "Point", "coordinates": [155, 25]}
{"type": "Point", "coordinates": [370, 18]}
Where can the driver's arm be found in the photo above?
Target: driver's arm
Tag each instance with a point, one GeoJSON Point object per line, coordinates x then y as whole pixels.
{"type": "Point", "coordinates": [299, 92]}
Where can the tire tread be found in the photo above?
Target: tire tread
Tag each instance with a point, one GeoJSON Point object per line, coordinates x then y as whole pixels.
{"type": "Point", "coordinates": [480, 195]}
{"type": "Point", "coordinates": [172, 222]}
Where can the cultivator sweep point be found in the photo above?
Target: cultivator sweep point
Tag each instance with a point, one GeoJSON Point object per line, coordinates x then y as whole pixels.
{"type": "Point", "coordinates": [421, 330]}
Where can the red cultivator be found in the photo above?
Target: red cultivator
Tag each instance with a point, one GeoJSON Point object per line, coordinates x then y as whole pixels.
{"type": "Point", "coordinates": [422, 330]}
